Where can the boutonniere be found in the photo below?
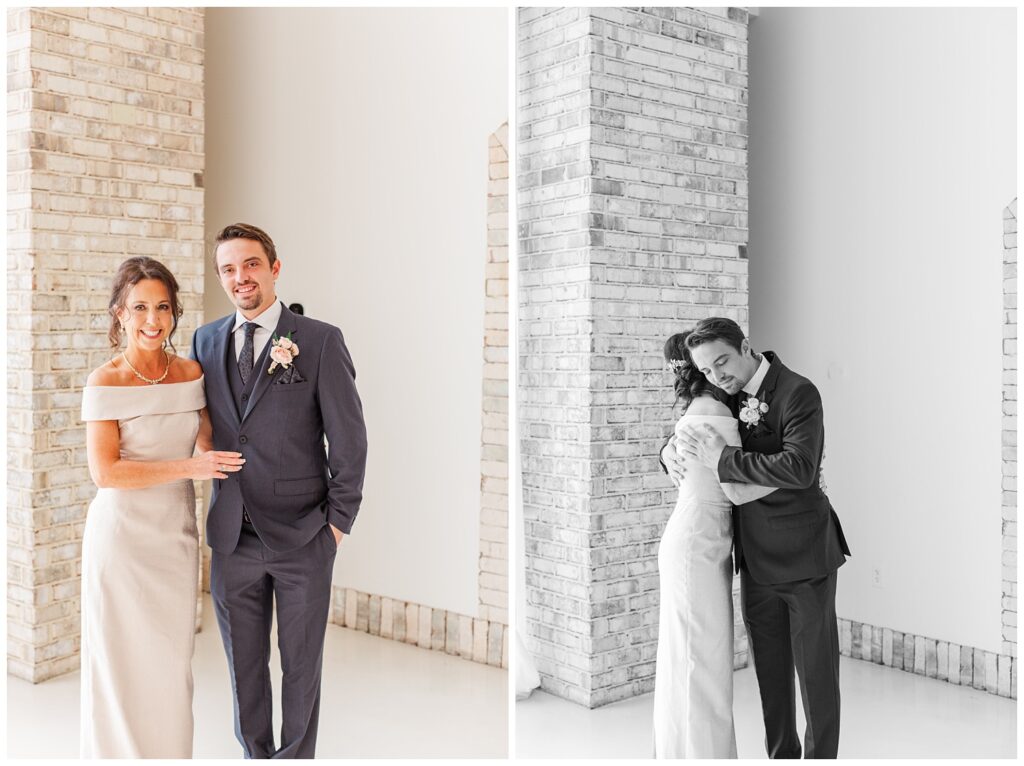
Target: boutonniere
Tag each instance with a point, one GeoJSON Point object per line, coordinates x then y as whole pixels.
{"type": "Point", "coordinates": [283, 351]}
{"type": "Point", "coordinates": [752, 411]}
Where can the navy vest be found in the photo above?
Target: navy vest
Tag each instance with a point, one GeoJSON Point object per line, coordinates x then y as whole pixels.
{"type": "Point", "coordinates": [242, 392]}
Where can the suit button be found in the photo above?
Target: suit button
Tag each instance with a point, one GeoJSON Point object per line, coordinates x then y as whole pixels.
{"type": "Point", "coordinates": [243, 439]}
{"type": "Point", "coordinates": [244, 397]}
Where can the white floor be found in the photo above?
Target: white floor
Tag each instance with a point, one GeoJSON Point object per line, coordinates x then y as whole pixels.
{"type": "Point", "coordinates": [885, 714]}
{"type": "Point", "coordinates": [380, 698]}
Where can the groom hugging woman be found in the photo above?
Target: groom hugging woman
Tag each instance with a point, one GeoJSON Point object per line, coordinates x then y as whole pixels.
{"type": "Point", "coordinates": [746, 456]}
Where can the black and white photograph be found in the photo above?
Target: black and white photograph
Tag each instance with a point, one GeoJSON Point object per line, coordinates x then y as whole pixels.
{"type": "Point", "coordinates": [766, 382]}
{"type": "Point", "coordinates": [257, 388]}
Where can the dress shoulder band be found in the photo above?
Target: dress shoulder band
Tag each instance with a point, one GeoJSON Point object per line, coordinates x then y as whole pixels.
{"type": "Point", "coordinates": [122, 402]}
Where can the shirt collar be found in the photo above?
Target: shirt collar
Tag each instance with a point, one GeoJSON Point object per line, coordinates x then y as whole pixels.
{"type": "Point", "coordinates": [754, 384]}
{"type": "Point", "coordinates": [267, 320]}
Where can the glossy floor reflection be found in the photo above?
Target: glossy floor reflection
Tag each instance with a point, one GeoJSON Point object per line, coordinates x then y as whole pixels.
{"type": "Point", "coordinates": [380, 699]}
{"type": "Point", "coordinates": [886, 714]}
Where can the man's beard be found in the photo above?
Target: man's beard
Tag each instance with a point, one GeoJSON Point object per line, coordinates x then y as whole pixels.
{"type": "Point", "coordinates": [250, 301]}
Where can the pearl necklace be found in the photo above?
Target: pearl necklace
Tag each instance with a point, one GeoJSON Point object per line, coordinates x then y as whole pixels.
{"type": "Point", "coordinates": [140, 376]}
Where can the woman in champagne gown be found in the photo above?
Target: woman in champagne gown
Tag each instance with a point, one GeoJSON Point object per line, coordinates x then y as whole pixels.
{"type": "Point", "coordinates": [144, 411]}
{"type": "Point", "coordinates": [693, 676]}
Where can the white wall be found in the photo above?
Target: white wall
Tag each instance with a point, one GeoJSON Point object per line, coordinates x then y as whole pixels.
{"type": "Point", "coordinates": [882, 155]}
{"type": "Point", "coordinates": [358, 139]}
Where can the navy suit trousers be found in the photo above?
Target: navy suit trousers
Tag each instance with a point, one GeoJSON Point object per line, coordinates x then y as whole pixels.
{"type": "Point", "coordinates": [245, 584]}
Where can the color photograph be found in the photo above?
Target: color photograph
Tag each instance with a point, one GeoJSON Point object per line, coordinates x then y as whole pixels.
{"type": "Point", "coordinates": [257, 401]}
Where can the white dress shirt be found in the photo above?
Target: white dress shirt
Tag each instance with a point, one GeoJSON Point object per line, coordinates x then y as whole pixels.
{"type": "Point", "coordinates": [265, 323]}
{"type": "Point", "coordinates": [754, 384]}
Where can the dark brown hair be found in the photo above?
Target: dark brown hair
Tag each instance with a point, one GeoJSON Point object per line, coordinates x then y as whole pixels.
{"type": "Point", "coordinates": [716, 328]}
{"type": "Point", "coordinates": [689, 382]}
{"type": "Point", "coordinates": [129, 274]}
{"type": "Point", "coordinates": [246, 231]}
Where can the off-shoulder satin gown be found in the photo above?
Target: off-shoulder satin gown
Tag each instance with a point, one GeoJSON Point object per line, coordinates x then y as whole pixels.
{"type": "Point", "coordinates": [140, 564]}
{"type": "Point", "coordinates": [693, 677]}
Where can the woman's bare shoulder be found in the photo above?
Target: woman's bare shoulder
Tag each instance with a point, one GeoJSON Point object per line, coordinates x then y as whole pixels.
{"type": "Point", "coordinates": [109, 374]}
{"type": "Point", "coordinates": [186, 369]}
{"type": "Point", "coordinates": [707, 405]}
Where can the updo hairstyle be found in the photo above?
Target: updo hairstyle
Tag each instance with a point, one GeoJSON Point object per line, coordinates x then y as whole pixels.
{"type": "Point", "coordinates": [129, 274]}
{"type": "Point", "coordinates": [689, 382]}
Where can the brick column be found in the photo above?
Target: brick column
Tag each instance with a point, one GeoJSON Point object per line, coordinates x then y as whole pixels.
{"type": "Point", "coordinates": [1009, 618]}
{"type": "Point", "coordinates": [105, 130]}
{"type": "Point", "coordinates": [633, 224]}
{"type": "Point", "coordinates": [494, 450]}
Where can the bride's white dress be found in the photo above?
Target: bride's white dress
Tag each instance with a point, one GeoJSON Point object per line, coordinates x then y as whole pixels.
{"type": "Point", "coordinates": [693, 678]}
{"type": "Point", "coordinates": [140, 562]}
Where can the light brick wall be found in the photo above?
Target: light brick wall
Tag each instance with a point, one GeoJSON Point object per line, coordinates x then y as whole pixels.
{"type": "Point", "coordinates": [472, 638]}
{"type": "Point", "coordinates": [105, 126]}
{"type": "Point", "coordinates": [633, 224]}
{"type": "Point", "coordinates": [942, 660]}
{"type": "Point", "coordinates": [493, 584]}
{"type": "Point", "coordinates": [1009, 617]}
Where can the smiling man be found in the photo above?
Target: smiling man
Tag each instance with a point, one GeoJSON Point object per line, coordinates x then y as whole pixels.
{"type": "Point", "coordinates": [277, 384]}
{"type": "Point", "coordinates": [788, 544]}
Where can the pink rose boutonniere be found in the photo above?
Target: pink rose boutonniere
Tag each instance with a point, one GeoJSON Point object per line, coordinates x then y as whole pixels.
{"type": "Point", "coordinates": [752, 411]}
{"type": "Point", "coordinates": [283, 351]}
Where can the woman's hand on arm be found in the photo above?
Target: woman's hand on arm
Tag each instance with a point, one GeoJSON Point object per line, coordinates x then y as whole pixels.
{"type": "Point", "coordinates": [109, 470]}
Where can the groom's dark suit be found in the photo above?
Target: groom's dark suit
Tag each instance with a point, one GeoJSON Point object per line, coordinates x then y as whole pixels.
{"type": "Point", "coordinates": [268, 523]}
{"type": "Point", "coordinates": [788, 546]}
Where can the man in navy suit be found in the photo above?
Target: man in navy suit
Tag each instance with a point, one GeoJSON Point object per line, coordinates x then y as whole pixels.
{"type": "Point", "coordinates": [277, 385]}
{"type": "Point", "coordinates": [789, 544]}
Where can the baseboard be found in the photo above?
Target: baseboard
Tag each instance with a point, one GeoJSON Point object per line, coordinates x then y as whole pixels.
{"type": "Point", "coordinates": [944, 661]}
{"type": "Point", "coordinates": [471, 638]}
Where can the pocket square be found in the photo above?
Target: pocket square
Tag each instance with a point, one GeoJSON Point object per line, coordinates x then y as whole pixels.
{"type": "Point", "coordinates": [290, 375]}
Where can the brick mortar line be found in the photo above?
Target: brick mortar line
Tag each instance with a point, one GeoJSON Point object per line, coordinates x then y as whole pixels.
{"type": "Point", "coordinates": [58, 13]}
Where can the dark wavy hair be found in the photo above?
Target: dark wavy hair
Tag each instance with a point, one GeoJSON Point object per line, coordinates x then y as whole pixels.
{"type": "Point", "coordinates": [689, 382]}
{"type": "Point", "coordinates": [129, 274]}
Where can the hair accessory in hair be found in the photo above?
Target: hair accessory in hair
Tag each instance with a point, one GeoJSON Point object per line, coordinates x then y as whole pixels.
{"type": "Point", "coordinates": [675, 365]}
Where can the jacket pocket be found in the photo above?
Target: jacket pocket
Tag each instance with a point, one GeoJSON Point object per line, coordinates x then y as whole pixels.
{"type": "Point", "coordinates": [310, 486]}
{"type": "Point", "coordinates": [291, 388]}
{"type": "Point", "coordinates": [793, 520]}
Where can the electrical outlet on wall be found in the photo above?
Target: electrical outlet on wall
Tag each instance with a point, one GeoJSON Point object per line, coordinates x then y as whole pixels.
{"type": "Point", "coordinates": [876, 577]}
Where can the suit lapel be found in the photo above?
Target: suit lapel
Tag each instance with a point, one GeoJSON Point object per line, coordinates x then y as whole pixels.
{"type": "Point", "coordinates": [285, 325]}
{"type": "Point", "coordinates": [771, 378]}
{"type": "Point", "coordinates": [764, 393]}
{"type": "Point", "coordinates": [220, 371]}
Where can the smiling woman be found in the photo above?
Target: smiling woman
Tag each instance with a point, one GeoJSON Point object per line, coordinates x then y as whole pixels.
{"type": "Point", "coordinates": [145, 413]}
{"type": "Point", "coordinates": [140, 284]}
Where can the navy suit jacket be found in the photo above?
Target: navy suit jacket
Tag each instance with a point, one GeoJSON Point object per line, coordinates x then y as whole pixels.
{"type": "Point", "coordinates": [290, 484]}
{"type": "Point", "coordinates": [793, 533]}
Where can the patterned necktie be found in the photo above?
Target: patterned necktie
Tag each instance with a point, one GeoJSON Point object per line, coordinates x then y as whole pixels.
{"type": "Point", "coordinates": [247, 357]}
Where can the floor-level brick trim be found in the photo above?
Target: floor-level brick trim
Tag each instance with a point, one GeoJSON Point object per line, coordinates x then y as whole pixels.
{"type": "Point", "coordinates": [484, 641]}
{"type": "Point", "coordinates": [942, 660]}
